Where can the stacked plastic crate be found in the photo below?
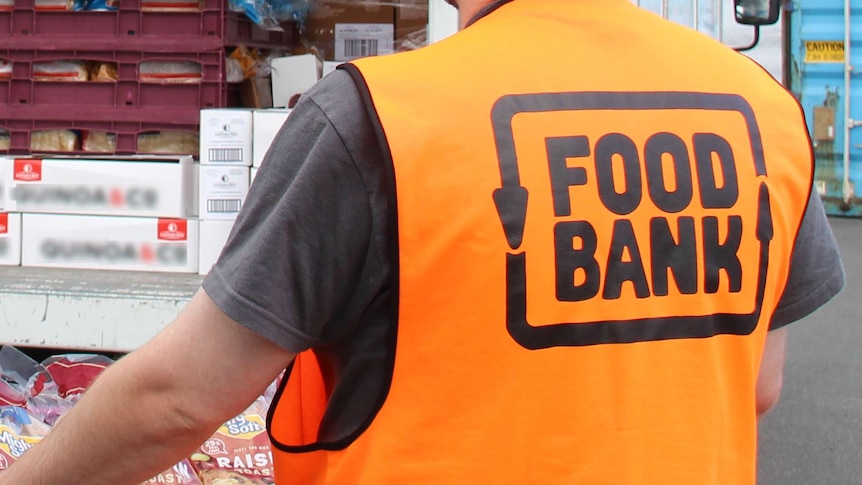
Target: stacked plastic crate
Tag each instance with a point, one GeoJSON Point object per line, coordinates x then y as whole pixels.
{"type": "Point", "coordinates": [150, 67]}
{"type": "Point", "coordinates": [87, 97]}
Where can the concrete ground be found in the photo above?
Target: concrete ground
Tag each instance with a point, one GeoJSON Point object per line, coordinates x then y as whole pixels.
{"type": "Point", "coordinates": [814, 435]}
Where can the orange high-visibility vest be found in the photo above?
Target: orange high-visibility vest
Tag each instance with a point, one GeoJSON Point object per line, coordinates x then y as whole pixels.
{"type": "Point", "coordinates": [595, 216]}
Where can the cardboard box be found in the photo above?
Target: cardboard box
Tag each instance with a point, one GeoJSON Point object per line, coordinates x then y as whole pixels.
{"type": "Point", "coordinates": [10, 239]}
{"type": "Point", "coordinates": [133, 186]}
{"type": "Point", "coordinates": [226, 137]}
{"type": "Point", "coordinates": [214, 235]}
{"type": "Point", "coordinates": [223, 190]}
{"type": "Point", "coordinates": [291, 77]}
{"type": "Point", "coordinates": [110, 243]}
{"type": "Point", "coordinates": [256, 92]}
{"type": "Point", "coordinates": [267, 124]}
{"type": "Point", "coordinates": [253, 174]}
{"type": "Point", "coordinates": [329, 67]}
{"type": "Point", "coordinates": [343, 30]}
{"type": "Point", "coordinates": [5, 169]}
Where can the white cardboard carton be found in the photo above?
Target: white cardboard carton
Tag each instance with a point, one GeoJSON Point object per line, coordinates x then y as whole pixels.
{"type": "Point", "coordinates": [10, 239]}
{"type": "Point", "coordinates": [330, 66]}
{"type": "Point", "coordinates": [226, 136]}
{"type": "Point", "coordinates": [267, 123]}
{"type": "Point", "coordinates": [293, 75]}
{"type": "Point", "coordinates": [254, 174]}
{"type": "Point", "coordinates": [361, 40]}
{"type": "Point", "coordinates": [223, 190]}
{"type": "Point", "coordinates": [5, 163]}
{"type": "Point", "coordinates": [110, 243]}
{"type": "Point", "coordinates": [135, 186]}
{"type": "Point", "coordinates": [214, 235]}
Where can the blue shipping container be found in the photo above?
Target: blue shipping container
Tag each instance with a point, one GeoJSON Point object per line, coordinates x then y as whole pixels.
{"type": "Point", "coordinates": [824, 44]}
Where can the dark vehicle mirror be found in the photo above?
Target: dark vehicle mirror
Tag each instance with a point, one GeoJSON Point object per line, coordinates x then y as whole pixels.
{"type": "Point", "coordinates": [757, 12]}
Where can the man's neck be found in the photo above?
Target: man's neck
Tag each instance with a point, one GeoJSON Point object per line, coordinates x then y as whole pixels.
{"type": "Point", "coordinates": [470, 11]}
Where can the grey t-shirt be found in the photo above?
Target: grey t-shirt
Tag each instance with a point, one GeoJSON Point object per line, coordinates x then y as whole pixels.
{"type": "Point", "coordinates": [307, 263]}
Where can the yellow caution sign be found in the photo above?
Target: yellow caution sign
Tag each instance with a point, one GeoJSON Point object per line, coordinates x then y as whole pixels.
{"type": "Point", "coordinates": [824, 51]}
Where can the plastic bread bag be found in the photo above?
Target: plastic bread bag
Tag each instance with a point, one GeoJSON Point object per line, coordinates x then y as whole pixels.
{"type": "Point", "coordinates": [61, 71]}
{"type": "Point", "coordinates": [169, 142]}
{"type": "Point", "coordinates": [98, 142]}
{"type": "Point", "coordinates": [170, 6]}
{"type": "Point", "coordinates": [289, 10]}
{"type": "Point", "coordinates": [20, 377]}
{"type": "Point", "coordinates": [240, 450]}
{"type": "Point", "coordinates": [248, 62]}
{"type": "Point", "coordinates": [75, 373]}
{"type": "Point", "coordinates": [270, 14]}
{"type": "Point", "coordinates": [54, 5]}
{"type": "Point", "coordinates": [227, 477]}
{"type": "Point", "coordinates": [102, 5]}
{"type": "Point", "coordinates": [5, 68]}
{"type": "Point", "coordinates": [54, 141]}
{"type": "Point", "coordinates": [170, 72]}
{"type": "Point", "coordinates": [103, 72]}
{"type": "Point", "coordinates": [19, 431]}
{"type": "Point", "coordinates": [180, 474]}
{"type": "Point", "coordinates": [5, 140]}
{"type": "Point", "coordinates": [6, 5]}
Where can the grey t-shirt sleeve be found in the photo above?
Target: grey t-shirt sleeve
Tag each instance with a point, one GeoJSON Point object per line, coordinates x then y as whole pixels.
{"type": "Point", "coordinates": [816, 273]}
{"type": "Point", "coordinates": [302, 263]}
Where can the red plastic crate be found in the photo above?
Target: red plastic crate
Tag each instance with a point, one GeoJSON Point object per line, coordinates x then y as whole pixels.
{"type": "Point", "coordinates": [128, 98]}
{"type": "Point", "coordinates": [126, 132]}
{"type": "Point", "coordinates": [130, 28]}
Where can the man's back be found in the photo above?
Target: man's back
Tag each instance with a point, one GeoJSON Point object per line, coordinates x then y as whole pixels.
{"type": "Point", "coordinates": [590, 244]}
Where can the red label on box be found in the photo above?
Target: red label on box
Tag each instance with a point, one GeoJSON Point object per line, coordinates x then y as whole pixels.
{"type": "Point", "coordinates": [173, 230]}
{"type": "Point", "coordinates": [4, 223]}
{"type": "Point", "coordinates": [28, 170]}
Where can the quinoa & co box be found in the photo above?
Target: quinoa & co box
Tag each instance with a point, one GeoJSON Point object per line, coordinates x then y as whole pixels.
{"type": "Point", "coordinates": [135, 186]}
{"type": "Point", "coordinates": [10, 239]}
{"type": "Point", "coordinates": [115, 243]}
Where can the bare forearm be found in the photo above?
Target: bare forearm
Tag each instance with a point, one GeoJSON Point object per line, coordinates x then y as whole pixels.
{"type": "Point", "coordinates": [158, 404]}
{"type": "Point", "coordinates": [131, 429]}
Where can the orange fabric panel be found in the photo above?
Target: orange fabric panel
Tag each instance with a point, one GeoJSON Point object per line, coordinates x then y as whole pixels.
{"type": "Point", "coordinates": [592, 241]}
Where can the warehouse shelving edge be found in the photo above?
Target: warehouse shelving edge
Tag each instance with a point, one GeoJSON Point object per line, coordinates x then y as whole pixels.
{"type": "Point", "coordinates": [88, 310]}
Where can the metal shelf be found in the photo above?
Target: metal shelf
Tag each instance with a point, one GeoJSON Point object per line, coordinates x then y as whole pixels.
{"type": "Point", "coordinates": [108, 311]}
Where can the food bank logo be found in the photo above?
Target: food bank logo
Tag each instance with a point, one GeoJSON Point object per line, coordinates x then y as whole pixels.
{"type": "Point", "coordinates": [27, 170]}
{"type": "Point", "coordinates": [652, 204]}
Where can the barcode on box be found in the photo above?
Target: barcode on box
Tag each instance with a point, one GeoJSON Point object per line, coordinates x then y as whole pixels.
{"type": "Point", "coordinates": [360, 47]}
{"type": "Point", "coordinates": [224, 206]}
{"type": "Point", "coordinates": [226, 155]}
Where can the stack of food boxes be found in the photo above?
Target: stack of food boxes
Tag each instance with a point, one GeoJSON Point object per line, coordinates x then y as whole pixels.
{"type": "Point", "coordinates": [140, 213]}
{"type": "Point", "coordinates": [135, 214]}
{"type": "Point", "coordinates": [233, 145]}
